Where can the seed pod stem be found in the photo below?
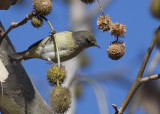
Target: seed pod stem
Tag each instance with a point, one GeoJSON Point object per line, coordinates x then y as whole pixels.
{"type": "Point", "coordinates": [100, 5]}
{"type": "Point", "coordinates": [55, 42]}
{"type": "Point", "coordinates": [57, 83]}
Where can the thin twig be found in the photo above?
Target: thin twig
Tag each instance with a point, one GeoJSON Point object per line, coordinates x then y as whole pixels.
{"type": "Point", "coordinates": [138, 81]}
{"type": "Point", "coordinates": [50, 25]}
{"type": "Point", "coordinates": [16, 24]}
{"type": "Point", "coordinates": [95, 10]}
{"type": "Point", "coordinates": [115, 107]}
{"type": "Point", "coordinates": [148, 78]}
{"type": "Point", "coordinates": [146, 58]}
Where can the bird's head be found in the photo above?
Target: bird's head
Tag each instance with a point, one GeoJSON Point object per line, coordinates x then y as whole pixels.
{"type": "Point", "coordinates": [84, 39]}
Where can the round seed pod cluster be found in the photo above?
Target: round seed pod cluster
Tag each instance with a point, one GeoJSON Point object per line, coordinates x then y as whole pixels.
{"type": "Point", "coordinates": [36, 22]}
{"type": "Point", "coordinates": [42, 7]}
{"type": "Point", "coordinates": [88, 1]}
{"type": "Point", "coordinates": [60, 99]}
{"type": "Point", "coordinates": [118, 30]}
{"type": "Point", "coordinates": [55, 74]}
{"type": "Point", "coordinates": [116, 50]}
{"type": "Point", "coordinates": [155, 8]}
{"type": "Point", "coordinates": [104, 23]}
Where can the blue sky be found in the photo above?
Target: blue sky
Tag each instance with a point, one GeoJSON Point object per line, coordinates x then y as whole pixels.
{"type": "Point", "coordinates": [140, 26]}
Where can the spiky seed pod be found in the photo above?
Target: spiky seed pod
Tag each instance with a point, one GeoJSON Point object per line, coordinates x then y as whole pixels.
{"type": "Point", "coordinates": [60, 99]}
{"type": "Point", "coordinates": [116, 50]}
{"type": "Point", "coordinates": [88, 1]}
{"type": "Point", "coordinates": [36, 22]}
{"type": "Point", "coordinates": [155, 8]}
{"type": "Point", "coordinates": [118, 30]}
{"type": "Point", "coordinates": [42, 7]}
{"type": "Point", "coordinates": [55, 73]}
{"type": "Point", "coordinates": [104, 23]}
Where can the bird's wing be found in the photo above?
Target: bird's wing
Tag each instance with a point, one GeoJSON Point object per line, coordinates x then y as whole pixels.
{"type": "Point", "coordinates": [40, 42]}
{"type": "Point", "coordinates": [36, 43]}
{"type": "Point", "coordinates": [45, 41]}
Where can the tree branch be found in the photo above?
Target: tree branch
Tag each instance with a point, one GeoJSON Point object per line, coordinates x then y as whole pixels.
{"type": "Point", "coordinates": [14, 25]}
{"type": "Point", "coordinates": [138, 80]}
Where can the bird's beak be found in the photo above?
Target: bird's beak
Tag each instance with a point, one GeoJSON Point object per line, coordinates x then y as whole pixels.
{"type": "Point", "coordinates": [97, 45]}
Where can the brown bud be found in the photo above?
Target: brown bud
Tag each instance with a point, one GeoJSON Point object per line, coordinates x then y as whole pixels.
{"type": "Point", "coordinates": [36, 22]}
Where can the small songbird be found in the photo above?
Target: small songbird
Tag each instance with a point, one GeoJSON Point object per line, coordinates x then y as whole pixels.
{"type": "Point", "coordinates": [69, 45]}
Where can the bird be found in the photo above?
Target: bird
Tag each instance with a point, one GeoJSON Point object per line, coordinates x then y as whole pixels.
{"type": "Point", "coordinates": [69, 45]}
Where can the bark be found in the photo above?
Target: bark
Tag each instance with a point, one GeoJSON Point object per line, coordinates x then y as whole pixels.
{"type": "Point", "coordinates": [5, 4]}
{"type": "Point", "coordinates": [19, 94]}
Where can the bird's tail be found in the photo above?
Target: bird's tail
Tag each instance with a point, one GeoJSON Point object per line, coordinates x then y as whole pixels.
{"type": "Point", "coordinates": [17, 56]}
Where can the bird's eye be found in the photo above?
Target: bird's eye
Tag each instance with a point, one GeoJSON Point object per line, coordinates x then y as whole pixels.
{"type": "Point", "coordinates": [88, 41]}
